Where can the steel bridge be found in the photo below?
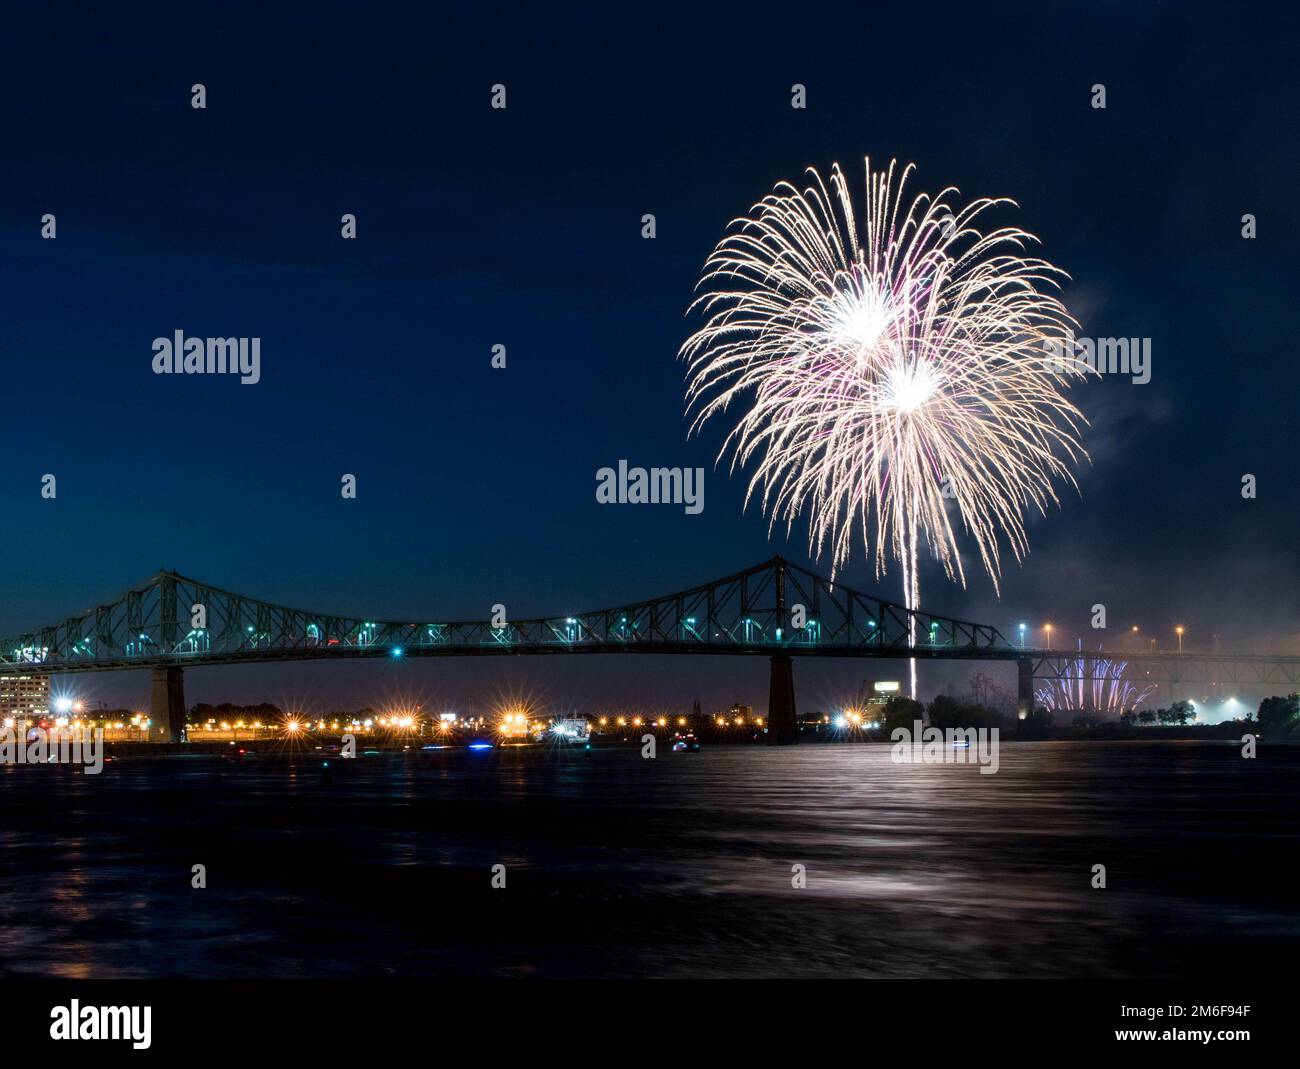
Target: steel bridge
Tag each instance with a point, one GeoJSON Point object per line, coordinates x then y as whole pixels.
{"type": "Point", "coordinates": [774, 609]}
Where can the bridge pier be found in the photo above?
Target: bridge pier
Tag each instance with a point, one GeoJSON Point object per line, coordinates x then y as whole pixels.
{"type": "Point", "coordinates": [167, 705]}
{"type": "Point", "coordinates": [1024, 687]}
{"type": "Point", "coordinates": [782, 728]}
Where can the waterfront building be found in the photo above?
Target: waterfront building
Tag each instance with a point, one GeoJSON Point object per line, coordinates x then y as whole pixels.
{"type": "Point", "coordinates": [24, 697]}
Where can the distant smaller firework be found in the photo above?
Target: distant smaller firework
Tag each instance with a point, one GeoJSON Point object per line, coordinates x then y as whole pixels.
{"type": "Point", "coordinates": [1104, 689]}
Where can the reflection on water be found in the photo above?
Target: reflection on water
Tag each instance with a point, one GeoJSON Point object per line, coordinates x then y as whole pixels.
{"type": "Point", "coordinates": [677, 866]}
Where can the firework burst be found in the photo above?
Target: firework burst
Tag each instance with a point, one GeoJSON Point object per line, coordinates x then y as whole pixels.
{"type": "Point", "coordinates": [890, 371]}
{"type": "Point", "coordinates": [1101, 687]}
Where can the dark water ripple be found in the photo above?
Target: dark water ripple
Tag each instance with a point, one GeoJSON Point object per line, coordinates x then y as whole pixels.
{"type": "Point", "coordinates": [680, 866]}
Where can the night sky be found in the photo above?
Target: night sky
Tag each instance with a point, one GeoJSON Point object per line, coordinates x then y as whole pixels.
{"type": "Point", "coordinates": [523, 227]}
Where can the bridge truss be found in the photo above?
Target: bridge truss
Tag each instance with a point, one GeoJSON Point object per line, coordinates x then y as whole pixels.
{"type": "Point", "coordinates": [774, 607]}
{"type": "Point", "coordinates": [1250, 670]}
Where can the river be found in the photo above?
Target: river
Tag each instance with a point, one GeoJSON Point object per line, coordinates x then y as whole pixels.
{"type": "Point", "coordinates": [684, 865]}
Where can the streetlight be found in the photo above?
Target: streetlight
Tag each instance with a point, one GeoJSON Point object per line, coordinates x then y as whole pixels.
{"type": "Point", "coordinates": [1048, 627]}
{"type": "Point", "coordinates": [1022, 636]}
{"type": "Point", "coordinates": [1179, 632]}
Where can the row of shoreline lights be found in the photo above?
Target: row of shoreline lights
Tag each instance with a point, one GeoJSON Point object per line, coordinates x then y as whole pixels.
{"type": "Point", "coordinates": [446, 722]}
{"type": "Point", "coordinates": [510, 722]}
{"type": "Point", "coordinates": [1178, 630]}
{"type": "Point", "coordinates": [638, 721]}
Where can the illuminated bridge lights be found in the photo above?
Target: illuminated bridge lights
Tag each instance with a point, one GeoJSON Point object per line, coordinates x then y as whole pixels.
{"type": "Point", "coordinates": [810, 632]}
{"type": "Point", "coordinates": [258, 638]}
{"type": "Point", "coordinates": [747, 612]}
{"type": "Point", "coordinates": [197, 641]}
{"type": "Point", "coordinates": [137, 646]}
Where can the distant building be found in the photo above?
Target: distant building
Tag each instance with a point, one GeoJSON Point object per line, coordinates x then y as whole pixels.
{"type": "Point", "coordinates": [24, 697]}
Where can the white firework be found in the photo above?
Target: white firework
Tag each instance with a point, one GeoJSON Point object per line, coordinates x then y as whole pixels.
{"type": "Point", "coordinates": [893, 372]}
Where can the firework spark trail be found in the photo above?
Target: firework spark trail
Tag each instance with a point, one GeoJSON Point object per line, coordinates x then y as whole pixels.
{"type": "Point", "coordinates": [1102, 689]}
{"type": "Point", "coordinates": [881, 358]}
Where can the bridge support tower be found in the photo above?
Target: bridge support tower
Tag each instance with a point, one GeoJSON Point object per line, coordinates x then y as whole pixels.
{"type": "Point", "coordinates": [167, 706]}
{"type": "Point", "coordinates": [1024, 687]}
{"type": "Point", "coordinates": [782, 728]}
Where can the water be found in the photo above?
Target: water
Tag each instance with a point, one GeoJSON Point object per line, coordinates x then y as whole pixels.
{"type": "Point", "coordinates": [680, 866]}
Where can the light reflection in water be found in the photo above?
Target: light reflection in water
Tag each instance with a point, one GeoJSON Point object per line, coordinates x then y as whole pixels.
{"type": "Point", "coordinates": [677, 866]}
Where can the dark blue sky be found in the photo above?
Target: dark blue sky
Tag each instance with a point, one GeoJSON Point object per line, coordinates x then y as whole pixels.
{"type": "Point", "coordinates": [522, 227]}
